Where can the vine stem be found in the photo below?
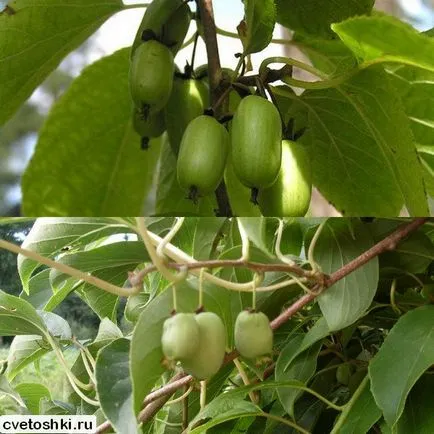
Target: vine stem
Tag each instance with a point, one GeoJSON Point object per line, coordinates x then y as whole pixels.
{"type": "Point", "coordinates": [73, 272]}
{"type": "Point", "coordinates": [156, 400]}
{"type": "Point", "coordinates": [311, 251]}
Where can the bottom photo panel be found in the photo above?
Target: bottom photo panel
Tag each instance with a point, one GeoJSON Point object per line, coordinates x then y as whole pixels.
{"type": "Point", "coordinates": [220, 325]}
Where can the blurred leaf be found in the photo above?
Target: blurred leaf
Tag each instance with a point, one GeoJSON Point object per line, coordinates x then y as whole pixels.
{"type": "Point", "coordinates": [315, 16]}
{"type": "Point", "coordinates": [85, 149]}
{"type": "Point", "coordinates": [37, 37]}
{"type": "Point", "coordinates": [348, 299]}
{"type": "Point", "coordinates": [385, 38]}
{"type": "Point", "coordinates": [114, 385]}
{"type": "Point", "coordinates": [392, 375]}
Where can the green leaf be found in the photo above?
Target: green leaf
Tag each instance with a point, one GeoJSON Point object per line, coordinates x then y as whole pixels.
{"type": "Point", "coordinates": [146, 367]}
{"type": "Point", "coordinates": [198, 235]}
{"type": "Point", "coordinates": [90, 142]}
{"type": "Point", "coordinates": [37, 37]}
{"type": "Point", "coordinates": [416, 88]}
{"type": "Point", "coordinates": [114, 385]}
{"type": "Point", "coordinates": [24, 350]}
{"type": "Point", "coordinates": [17, 317]}
{"type": "Point", "coordinates": [347, 300]}
{"type": "Point", "coordinates": [300, 368]}
{"type": "Point", "coordinates": [231, 405]}
{"type": "Point", "coordinates": [32, 393]}
{"type": "Point", "coordinates": [382, 38]}
{"type": "Point", "coordinates": [315, 16]}
{"type": "Point", "coordinates": [113, 255]}
{"type": "Point", "coordinates": [50, 235]}
{"type": "Point", "coordinates": [413, 255]}
{"type": "Point", "coordinates": [377, 165]}
{"type": "Point", "coordinates": [359, 414]}
{"type": "Point", "coordinates": [393, 375]}
{"type": "Point", "coordinates": [255, 229]}
{"type": "Point", "coordinates": [6, 389]}
{"type": "Point", "coordinates": [260, 19]}
{"type": "Point", "coordinates": [418, 416]}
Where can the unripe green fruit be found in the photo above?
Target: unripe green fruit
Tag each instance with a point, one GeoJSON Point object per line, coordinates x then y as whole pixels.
{"type": "Point", "coordinates": [253, 334]}
{"type": "Point", "coordinates": [153, 126]}
{"type": "Point", "coordinates": [151, 76]}
{"type": "Point", "coordinates": [210, 353]}
{"type": "Point", "coordinates": [187, 101]}
{"type": "Point", "coordinates": [169, 20]}
{"type": "Point", "coordinates": [291, 193]}
{"type": "Point", "coordinates": [180, 336]}
{"type": "Point", "coordinates": [202, 156]}
{"type": "Point", "coordinates": [343, 374]}
{"type": "Point", "coordinates": [256, 137]}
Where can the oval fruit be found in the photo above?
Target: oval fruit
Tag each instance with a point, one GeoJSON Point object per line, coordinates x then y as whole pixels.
{"type": "Point", "coordinates": [153, 126]}
{"type": "Point", "coordinates": [187, 101]}
{"type": "Point", "coordinates": [291, 193]}
{"type": "Point", "coordinates": [180, 336]}
{"type": "Point", "coordinates": [169, 20]}
{"type": "Point", "coordinates": [256, 137]}
{"type": "Point", "coordinates": [151, 76]}
{"type": "Point", "coordinates": [202, 156]}
{"type": "Point", "coordinates": [253, 334]}
{"type": "Point", "coordinates": [210, 353]}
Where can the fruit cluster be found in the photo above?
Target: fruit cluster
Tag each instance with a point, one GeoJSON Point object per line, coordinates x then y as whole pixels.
{"type": "Point", "coordinates": [275, 169]}
{"type": "Point", "coordinates": [198, 341]}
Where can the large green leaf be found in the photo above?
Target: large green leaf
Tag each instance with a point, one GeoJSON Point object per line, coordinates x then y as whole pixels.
{"type": "Point", "coordinates": [37, 37]}
{"type": "Point", "coordinates": [416, 88]}
{"type": "Point", "coordinates": [377, 166]}
{"type": "Point", "coordinates": [315, 16]}
{"type": "Point", "coordinates": [114, 385]}
{"type": "Point", "coordinates": [386, 39]}
{"type": "Point", "coordinates": [347, 300]}
{"type": "Point", "coordinates": [418, 416]}
{"type": "Point", "coordinates": [95, 165]}
{"type": "Point", "coordinates": [260, 19]}
{"type": "Point", "coordinates": [407, 352]}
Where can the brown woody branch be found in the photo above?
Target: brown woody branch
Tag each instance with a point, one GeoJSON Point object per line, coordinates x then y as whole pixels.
{"type": "Point", "coordinates": [161, 396]}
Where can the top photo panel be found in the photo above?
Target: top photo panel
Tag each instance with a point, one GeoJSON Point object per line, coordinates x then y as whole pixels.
{"type": "Point", "coordinates": [217, 108]}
